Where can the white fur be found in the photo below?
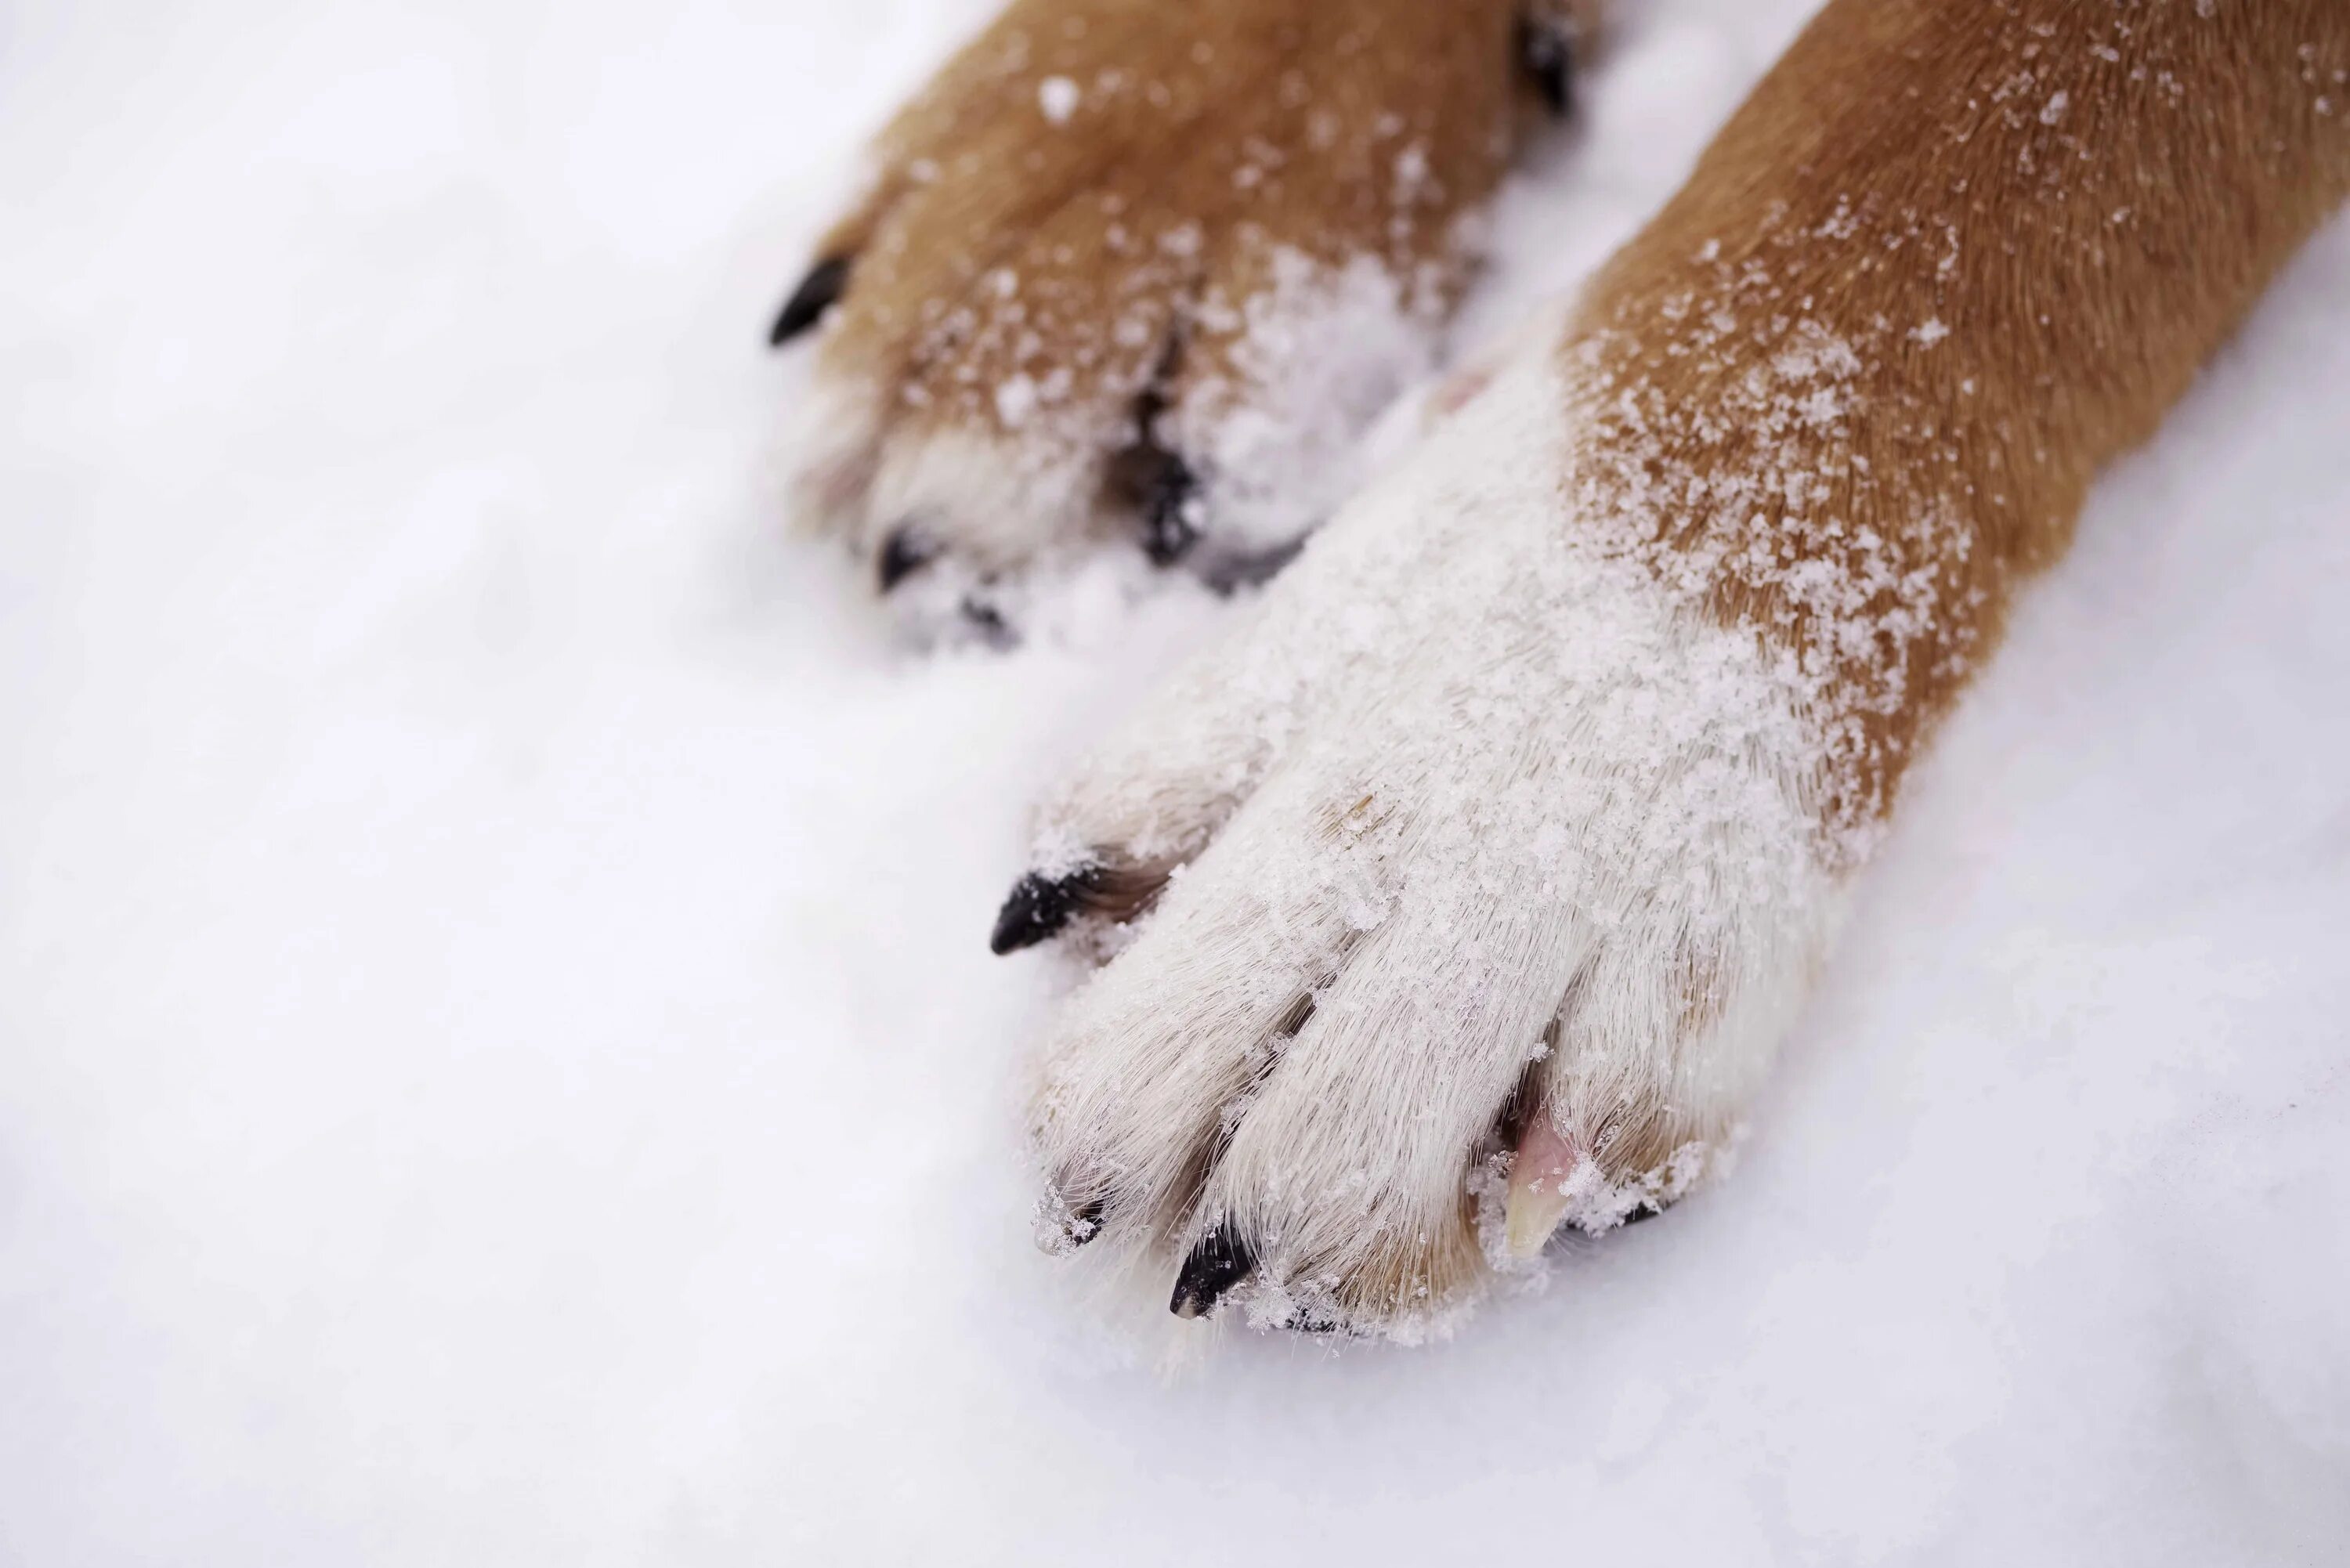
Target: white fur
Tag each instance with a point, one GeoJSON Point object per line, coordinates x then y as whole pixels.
{"type": "Point", "coordinates": [1473, 768]}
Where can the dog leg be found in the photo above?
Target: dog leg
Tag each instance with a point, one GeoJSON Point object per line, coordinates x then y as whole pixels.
{"type": "Point", "coordinates": [1508, 832]}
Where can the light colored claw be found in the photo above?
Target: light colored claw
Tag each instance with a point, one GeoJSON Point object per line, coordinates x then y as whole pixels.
{"type": "Point", "coordinates": [1538, 1187]}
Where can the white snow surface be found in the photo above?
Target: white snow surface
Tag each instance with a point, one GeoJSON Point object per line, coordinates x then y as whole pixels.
{"type": "Point", "coordinates": [498, 1057]}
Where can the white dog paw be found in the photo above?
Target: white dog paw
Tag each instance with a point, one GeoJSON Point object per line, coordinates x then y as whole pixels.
{"type": "Point", "coordinates": [1469, 887]}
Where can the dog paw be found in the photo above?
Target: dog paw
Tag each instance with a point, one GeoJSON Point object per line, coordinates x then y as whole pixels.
{"type": "Point", "coordinates": [1463, 893]}
{"type": "Point", "coordinates": [1146, 271]}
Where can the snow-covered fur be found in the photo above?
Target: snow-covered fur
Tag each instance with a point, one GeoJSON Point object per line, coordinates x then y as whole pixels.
{"type": "Point", "coordinates": [1468, 888]}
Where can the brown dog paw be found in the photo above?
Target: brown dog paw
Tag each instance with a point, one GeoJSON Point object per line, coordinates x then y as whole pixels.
{"type": "Point", "coordinates": [1144, 271]}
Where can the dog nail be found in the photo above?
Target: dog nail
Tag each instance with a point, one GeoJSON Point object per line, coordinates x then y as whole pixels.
{"type": "Point", "coordinates": [1215, 1266]}
{"type": "Point", "coordinates": [988, 621]}
{"type": "Point", "coordinates": [1234, 572]}
{"type": "Point", "coordinates": [808, 302]}
{"type": "Point", "coordinates": [1538, 1199]}
{"type": "Point", "coordinates": [1063, 1228]}
{"type": "Point", "coordinates": [903, 554]}
{"type": "Point", "coordinates": [1547, 55]}
{"type": "Point", "coordinates": [1167, 531]}
{"type": "Point", "coordinates": [1039, 907]}
{"type": "Point", "coordinates": [1534, 1212]}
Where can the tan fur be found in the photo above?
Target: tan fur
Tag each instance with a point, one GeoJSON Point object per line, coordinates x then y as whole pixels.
{"type": "Point", "coordinates": [2027, 224]}
{"type": "Point", "coordinates": [2030, 222]}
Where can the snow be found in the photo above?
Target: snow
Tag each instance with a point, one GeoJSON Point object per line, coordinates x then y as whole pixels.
{"type": "Point", "coordinates": [1059, 97]}
{"type": "Point", "coordinates": [498, 1057]}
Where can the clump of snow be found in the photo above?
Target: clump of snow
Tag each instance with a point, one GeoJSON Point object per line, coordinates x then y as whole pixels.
{"type": "Point", "coordinates": [1059, 97]}
{"type": "Point", "coordinates": [1322, 352]}
{"type": "Point", "coordinates": [1015, 400]}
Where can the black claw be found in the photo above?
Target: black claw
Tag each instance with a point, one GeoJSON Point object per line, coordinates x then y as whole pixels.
{"type": "Point", "coordinates": [1168, 530]}
{"type": "Point", "coordinates": [1217, 1263]}
{"type": "Point", "coordinates": [1062, 1227]}
{"type": "Point", "coordinates": [988, 621]}
{"type": "Point", "coordinates": [903, 554]}
{"type": "Point", "coordinates": [1039, 907]}
{"type": "Point", "coordinates": [1155, 480]}
{"type": "Point", "coordinates": [1547, 54]}
{"type": "Point", "coordinates": [1234, 572]}
{"type": "Point", "coordinates": [808, 302]}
